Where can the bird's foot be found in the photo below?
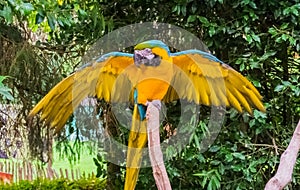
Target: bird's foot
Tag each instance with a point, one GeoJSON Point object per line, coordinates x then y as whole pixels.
{"type": "Point", "coordinates": [156, 103]}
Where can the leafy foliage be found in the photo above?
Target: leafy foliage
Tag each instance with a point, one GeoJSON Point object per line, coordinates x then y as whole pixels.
{"type": "Point", "coordinates": [258, 38]}
{"type": "Point", "coordinates": [63, 184]}
{"type": "Point", "coordinates": [5, 91]}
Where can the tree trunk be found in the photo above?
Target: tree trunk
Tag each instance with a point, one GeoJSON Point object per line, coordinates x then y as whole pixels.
{"type": "Point", "coordinates": [156, 157]}
{"type": "Point", "coordinates": [285, 77]}
{"type": "Point", "coordinates": [284, 172]}
{"type": "Point", "coordinates": [113, 173]}
{"type": "Point", "coordinates": [113, 170]}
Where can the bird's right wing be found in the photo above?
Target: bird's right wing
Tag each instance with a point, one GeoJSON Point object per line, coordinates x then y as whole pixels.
{"type": "Point", "coordinates": [97, 79]}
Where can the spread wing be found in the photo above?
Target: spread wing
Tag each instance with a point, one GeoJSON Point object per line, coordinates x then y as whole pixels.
{"type": "Point", "coordinates": [97, 79]}
{"type": "Point", "coordinates": [202, 78]}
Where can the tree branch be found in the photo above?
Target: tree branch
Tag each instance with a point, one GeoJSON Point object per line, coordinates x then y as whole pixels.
{"type": "Point", "coordinates": [284, 172]}
{"type": "Point", "coordinates": [155, 153]}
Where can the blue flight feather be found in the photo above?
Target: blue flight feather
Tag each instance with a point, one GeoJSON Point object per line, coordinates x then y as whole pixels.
{"type": "Point", "coordinates": [202, 53]}
{"type": "Point", "coordinates": [141, 107]}
{"type": "Point", "coordinates": [106, 56]}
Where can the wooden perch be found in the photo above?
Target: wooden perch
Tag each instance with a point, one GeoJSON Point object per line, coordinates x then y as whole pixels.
{"type": "Point", "coordinates": [155, 153]}
{"type": "Point", "coordinates": [284, 172]}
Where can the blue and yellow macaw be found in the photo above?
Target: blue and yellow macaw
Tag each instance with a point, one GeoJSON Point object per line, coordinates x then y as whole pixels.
{"type": "Point", "coordinates": [151, 73]}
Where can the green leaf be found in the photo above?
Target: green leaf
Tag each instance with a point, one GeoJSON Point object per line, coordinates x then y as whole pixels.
{"type": "Point", "coordinates": [82, 13]}
{"type": "Point", "coordinates": [238, 61]}
{"type": "Point", "coordinates": [214, 148]}
{"type": "Point", "coordinates": [96, 162]}
{"type": "Point", "coordinates": [203, 20]}
{"type": "Point", "coordinates": [6, 93]}
{"type": "Point", "coordinates": [273, 31]}
{"type": "Point", "coordinates": [12, 2]}
{"type": "Point", "coordinates": [249, 39]}
{"type": "Point", "coordinates": [103, 22]}
{"type": "Point", "coordinates": [183, 10]}
{"type": "Point", "coordinates": [278, 40]}
{"type": "Point", "coordinates": [284, 26]}
{"type": "Point", "coordinates": [6, 13]}
{"type": "Point", "coordinates": [236, 168]}
{"type": "Point", "coordinates": [255, 38]}
{"type": "Point", "coordinates": [204, 181]}
{"type": "Point", "coordinates": [242, 67]}
{"type": "Point", "coordinates": [203, 128]}
{"type": "Point", "coordinates": [211, 31]}
{"type": "Point", "coordinates": [255, 64]}
{"type": "Point", "coordinates": [215, 162]}
{"type": "Point", "coordinates": [201, 158]}
{"type": "Point", "coordinates": [197, 142]}
{"type": "Point", "coordinates": [292, 41]}
{"type": "Point", "coordinates": [296, 91]}
{"type": "Point", "coordinates": [221, 169]}
{"type": "Point", "coordinates": [258, 130]}
{"type": "Point", "coordinates": [39, 18]}
{"type": "Point", "coordinates": [27, 8]}
{"type": "Point", "coordinates": [2, 78]}
{"type": "Point", "coordinates": [247, 29]}
{"type": "Point", "coordinates": [246, 17]}
{"type": "Point", "coordinates": [256, 83]}
{"type": "Point", "coordinates": [279, 88]}
{"type": "Point", "coordinates": [51, 20]}
{"type": "Point", "coordinates": [238, 155]}
{"type": "Point", "coordinates": [286, 11]}
{"type": "Point", "coordinates": [191, 18]}
{"type": "Point", "coordinates": [286, 83]}
{"type": "Point", "coordinates": [253, 170]}
{"type": "Point", "coordinates": [267, 54]}
{"type": "Point", "coordinates": [253, 5]}
{"type": "Point", "coordinates": [246, 2]}
{"type": "Point", "coordinates": [4, 90]}
{"type": "Point", "coordinates": [284, 37]}
{"type": "Point", "coordinates": [215, 182]}
{"type": "Point", "coordinates": [253, 15]}
{"type": "Point", "coordinates": [258, 114]}
{"type": "Point", "coordinates": [295, 11]}
{"type": "Point", "coordinates": [252, 123]}
{"type": "Point", "coordinates": [210, 186]}
{"type": "Point", "coordinates": [228, 157]}
{"type": "Point", "coordinates": [175, 8]}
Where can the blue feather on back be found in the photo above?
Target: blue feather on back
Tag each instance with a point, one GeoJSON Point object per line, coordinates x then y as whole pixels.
{"type": "Point", "coordinates": [202, 53]}
{"type": "Point", "coordinates": [141, 107]}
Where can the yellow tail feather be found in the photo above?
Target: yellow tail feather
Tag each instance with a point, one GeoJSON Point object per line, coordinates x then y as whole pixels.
{"type": "Point", "coordinates": [136, 142]}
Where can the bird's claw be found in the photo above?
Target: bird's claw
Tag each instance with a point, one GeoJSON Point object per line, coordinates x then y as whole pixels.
{"type": "Point", "coordinates": [156, 103]}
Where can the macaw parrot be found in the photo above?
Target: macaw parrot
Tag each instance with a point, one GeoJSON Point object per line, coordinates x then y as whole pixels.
{"type": "Point", "coordinates": [151, 73]}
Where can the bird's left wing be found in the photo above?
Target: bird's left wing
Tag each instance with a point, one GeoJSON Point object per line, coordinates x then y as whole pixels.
{"type": "Point", "coordinates": [202, 78]}
{"type": "Point", "coordinates": [96, 79]}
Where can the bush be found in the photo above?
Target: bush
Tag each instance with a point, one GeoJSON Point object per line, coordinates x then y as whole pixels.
{"type": "Point", "coordinates": [57, 184]}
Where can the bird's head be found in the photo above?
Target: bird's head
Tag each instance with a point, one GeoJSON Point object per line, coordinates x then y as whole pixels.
{"type": "Point", "coordinates": [150, 53]}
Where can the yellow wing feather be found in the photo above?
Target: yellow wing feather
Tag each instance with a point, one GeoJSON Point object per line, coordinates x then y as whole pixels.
{"type": "Point", "coordinates": [204, 91]}
{"type": "Point", "coordinates": [214, 83]}
{"type": "Point", "coordinates": [195, 78]}
{"type": "Point", "coordinates": [94, 80]}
